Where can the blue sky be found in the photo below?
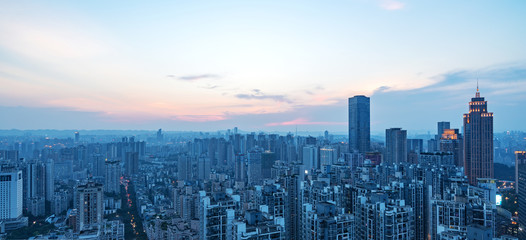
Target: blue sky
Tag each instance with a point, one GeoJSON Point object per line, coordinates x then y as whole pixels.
{"type": "Point", "coordinates": [258, 65]}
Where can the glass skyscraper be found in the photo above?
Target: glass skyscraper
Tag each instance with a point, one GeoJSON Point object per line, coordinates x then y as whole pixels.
{"type": "Point", "coordinates": [359, 124]}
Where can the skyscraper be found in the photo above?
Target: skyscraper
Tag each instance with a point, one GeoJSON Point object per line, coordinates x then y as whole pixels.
{"type": "Point", "coordinates": [184, 168]}
{"type": "Point", "coordinates": [160, 136]}
{"type": "Point", "coordinates": [327, 156]}
{"type": "Point", "coordinates": [112, 177]}
{"type": "Point", "coordinates": [240, 168]}
{"type": "Point", "coordinates": [131, 164]}
{"type": "Point", "coordinates": [267, 161]}
{"type": "Point", "coordinates": [478, 140]}
{"type": "Point", "coordinates": [396, 145]}
{"type": "Point", "coordinates": [310, 157]}
{"type": "Point", "coordinates": [441, 126]}
{"type": "Point", "coordinates": [88, 201]}
{"type": "Point", "coordinates": [451, 141]}
{"type": "Point", "coordinates": [520, 161]}
{"type": "Point", "coordinates": [30, 180]}
{"type": "Point", "coordinates": [203, 168]}
{"type": "Point", "coordinates": [50, 179]}
{"type": "Point", "coordinates": [520, 186]}
{"type": "Point", "coordinates": [254, 166]}
{"type": "Point", "coordinates": [359, 124]}
{"type": "Point", "coordinates": [10, 194]}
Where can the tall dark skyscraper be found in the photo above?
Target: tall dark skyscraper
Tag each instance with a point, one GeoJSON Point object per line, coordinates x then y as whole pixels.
{"type": "Point", "coordinates": [478, 140]}
{"type": "Point", "coordinates": [520, 186]}
{"type": "Point", "coordinates": [396, 145]}
{"type": "Point", "coordinates": [359, 123]}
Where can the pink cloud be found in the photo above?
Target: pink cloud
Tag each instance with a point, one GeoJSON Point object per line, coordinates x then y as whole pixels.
{"type": "Point", "coordinates": [391, 4]}
{"type": "Point", "coordinates": [201, 118]}
{"type": "Point", "coordinates": [302, 121]}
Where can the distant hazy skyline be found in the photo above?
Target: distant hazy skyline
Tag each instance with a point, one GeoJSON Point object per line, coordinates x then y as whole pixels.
{"type": "Point", "coordinates": [258, 65]}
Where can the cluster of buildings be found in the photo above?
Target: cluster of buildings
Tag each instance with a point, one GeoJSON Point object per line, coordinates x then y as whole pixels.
{"type": "Point", "coordinates": [70, 185]}
{"type": "Point", "coordinates": [267, 186]}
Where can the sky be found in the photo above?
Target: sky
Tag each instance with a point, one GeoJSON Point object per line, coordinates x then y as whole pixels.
{"type": "Point", "coordinates": [258, 65]}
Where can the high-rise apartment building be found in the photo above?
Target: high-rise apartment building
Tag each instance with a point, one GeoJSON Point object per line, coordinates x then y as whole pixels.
{"type": "Point", "coordinates": [328, 156]}
{"type": "Point", "coordinates": [131, 164]}
{"type": "Point", "coordinates": [184, 168]}
{"type": "Point", "coordinates": [203, 168]}
{"type": "Point", "coordinates": [310, 157]}
{"type": "Point", "coordinates": [88, 201]}
{"type": "Point", "coordinates": [396, 145]}
{"type": "Point", "coordinates": [267, 161]}
{"type": "Point", "coordinates": [11, 187]}
{"type": "Point", "coordinates": [478, 140]}
{"type": "Point", "coordinates": [359, 124]}
{"type": "Point", "coordinates": [376, 218]}
{"type": "Point", "coordinates": [293, 206]}
{"type": "Point", "coordinates": [216, 216]}
{"type": "Point", "coordinates": [326, 221]}
{"type": "Point", "coordinates": [254, 166]}
{"type": "Point", "coordinates": [30, 180]}
{"type": "Point", "coordinates": [240, 168]}
{"type": "Point", "coordinates": [112, 177]}
{"type": "Point", "coordinates": [50, 179]}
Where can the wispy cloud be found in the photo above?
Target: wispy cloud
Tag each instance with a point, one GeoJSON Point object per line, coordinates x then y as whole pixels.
{"type": "Point", "coordinates": [258, 95]}
{"type": "Point", "coordinates": [209, 87]}
{"type": "Point", "coordinates": [194, 77]}
{"type": "Point", "coordinates": [314, 90]}
{"type": "Point", "coordinates": [391, 5]}
{"type": "Point", "coordinates": [302, 121]}
{"type": "Point", "coordinates": [496, 79]}
{"type": "Point", "coordinates": [381, 89]}
{"type": "Point", "coordinates": [500, 79]}
{"type": "Point", "coordinates": [200, 118]}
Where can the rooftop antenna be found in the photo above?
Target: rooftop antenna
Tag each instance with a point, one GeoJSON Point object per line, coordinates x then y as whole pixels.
{"type": "Point", "coordinates": [478, 93]}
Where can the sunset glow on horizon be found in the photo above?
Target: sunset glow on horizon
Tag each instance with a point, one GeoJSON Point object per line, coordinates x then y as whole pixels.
{"type": "Point", "coordinates": [187, 65]}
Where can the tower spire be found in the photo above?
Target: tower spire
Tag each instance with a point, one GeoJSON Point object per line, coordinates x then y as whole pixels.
{"type": "Point", "coordinates": [477, 94]}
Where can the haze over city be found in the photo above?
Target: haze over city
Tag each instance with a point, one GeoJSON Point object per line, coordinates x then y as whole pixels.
{"type": "Point", "coordinates": [258, 65]}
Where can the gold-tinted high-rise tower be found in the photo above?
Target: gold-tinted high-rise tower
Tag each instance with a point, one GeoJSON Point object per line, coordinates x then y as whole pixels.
{"type": "Point", "coordinates": [478, 140]}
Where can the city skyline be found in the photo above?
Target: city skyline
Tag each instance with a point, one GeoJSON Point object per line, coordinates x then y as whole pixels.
{"type": "Point", "coordinates": [248, 120]}
{"type": "Point", "coordinates": [210, 66]}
